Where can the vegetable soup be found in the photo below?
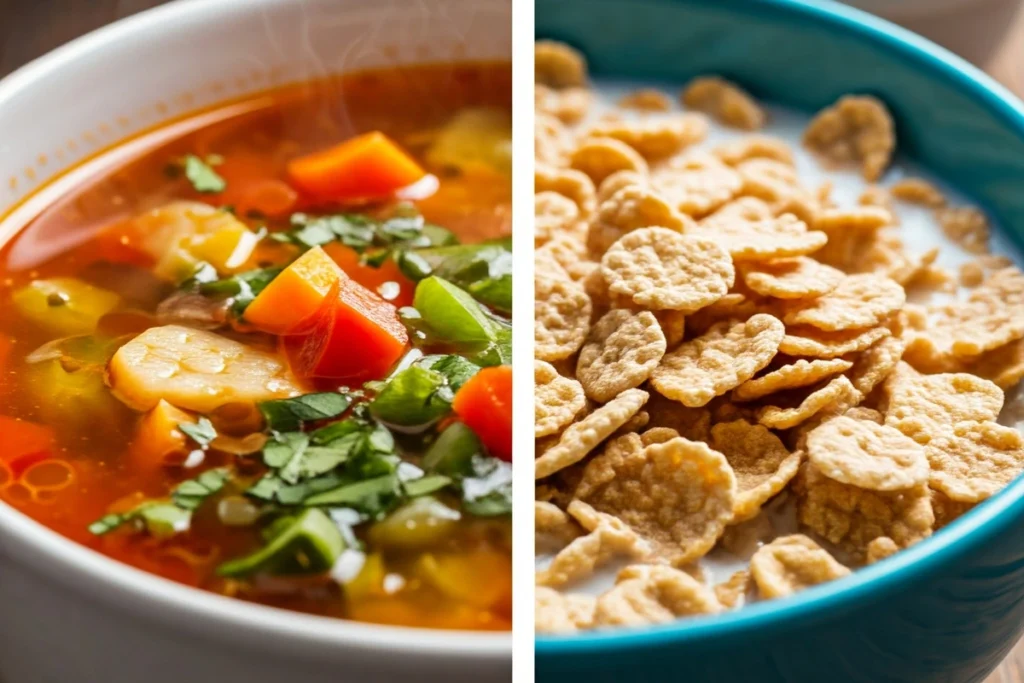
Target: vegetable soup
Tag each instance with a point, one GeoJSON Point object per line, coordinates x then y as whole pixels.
{"type": "Point", "coordinates": [265, 351]}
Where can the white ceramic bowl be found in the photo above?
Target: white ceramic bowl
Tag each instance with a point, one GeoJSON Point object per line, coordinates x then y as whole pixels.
{"type": "Point", "coordinates": [67, 614]}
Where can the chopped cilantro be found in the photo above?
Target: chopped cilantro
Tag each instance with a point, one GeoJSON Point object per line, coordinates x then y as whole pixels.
{"type": "Point", "coordinates": [202, 176]}
{"type": "Point", "coordinates": [288, 414]}
{"type": "Point", "coordinates": [201, 431]}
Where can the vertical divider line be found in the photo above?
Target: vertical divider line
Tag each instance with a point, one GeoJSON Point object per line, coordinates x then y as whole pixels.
{"type": "Point", "coordinates": [522, 340]}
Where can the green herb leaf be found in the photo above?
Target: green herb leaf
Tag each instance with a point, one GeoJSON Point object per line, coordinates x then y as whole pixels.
{"type": "Point", "coordinates": [242, 288]}
{"type": "Point", "coordinates": [371, 496]}
{"type": "Point", "coordinates": [190, 494]}
{"type": "Point", "coordinates": [308, 544]}
{"type": "Point", "coordinates": [202, 176]}
{"type": "Point", "coordinates": [201, 431]}
{"type": "Point", "coordinates": [453, 452]}
{"type": "Point", "coordinates": [411, 398]}
{"type": "Point", "coordinates": [451, 314]}
{"type": "Point", "coordinates": [424, 486]}
{"type": "Point", "coordinates": [488, 492]}
{"type": "Point", "coordinates": [288, 414]}
{"type": "Point", "coordinates": [483, 270]}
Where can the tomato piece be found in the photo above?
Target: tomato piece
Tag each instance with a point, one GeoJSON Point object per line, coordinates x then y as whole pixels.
{"type": "Point", "coordinates": [484, 403]}
{"type": "Point", "coordinates": [368, 166]}
{"type": "Point", "coordinates": [20, 439]}
{"type": "Point", "coordinates": [296, 294]}
{"type": "Point", "coordinates": [348, 259]}
{"type": "Point", "coordinates": [252, 183]}
{"type": "Point", "coordinates": [355, 336]}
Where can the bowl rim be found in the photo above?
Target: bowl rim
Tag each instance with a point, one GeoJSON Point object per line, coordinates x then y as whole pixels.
{"type": "Point", "coordinates": [872, 583]}
{"type": "Point", "coordinates": [124, 588]}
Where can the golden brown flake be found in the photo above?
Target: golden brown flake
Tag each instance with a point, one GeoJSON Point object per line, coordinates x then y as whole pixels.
{"type": "Point", "coordinates": [570, 183]}
{"type": "Point", "coordinates": [582, 437]}
{"type": "Point", "coordinates": [791, 564]}
{"type": "Point", "coordinates": [622, 350]}
{"type": "Point", "coordinates": [761, 463]}
{"type": "Point", "coordinates": [557, 65]}
{"type": "Point", "coordinates": [677, 495]}
{"type": "Point", "coordinates": [801, 277]}
{"type": "Point", "coordinates": [725, 101]}
{"type": "Point", "coordinates": [974, 460]}
{"type": "Point", "coordinates": [965, 225]}
{"type": "Point", "coordinates": [554, 216]}
{"type": "Point", "coordinates": [556, 400]}
{"type": "Point", "coordinates": [660, 269]}
{"type": "Point", "coordinates": [881, 548]}
{"type": "Point", "coordinates": [837, 391]}
{"type": "Point", "coordinates": [867, 455]}
{"type": "Point", "coordinates": [631, 208]}
{"type": "Point", "coordinates": [562, 318]}
{"type": "Point", "coordinates": [859, 301]}
{"type": "Point", "coordinates": [553, 529]}
{"type": "Point", "coordinates": [857, 128]}
{"type": "Point", "coordinates": [815, 343]}
{"type": "Point", "coordinates": [646, 100]}
{"type": "Point", "coordinates": [737, 151]}
{"type": "Point", "coordinates": [764, 240]}
{"type": "Point", "coordinates": [732, 593]}
{"type": "Point", "coordinates": [725, 357]}
{"type": "Point", "coordinates": [800, 373]}
{"type": "Point", "coordinates": [656, 137]}
{"type": "Point", "coordinates": [600, 157]}
{"type": "Point", "coordinates": [876, 363]}
{"type": "Point", "coordinates": [918, 191]}
{"type": "Point", "coordinates": [557, 612]}
{"type": "Point", "coordinates": [653, 595]}
{"type": "Point", "coordinates": [697, 184]}
{"type": "Point", "coordinates": [568, 105]}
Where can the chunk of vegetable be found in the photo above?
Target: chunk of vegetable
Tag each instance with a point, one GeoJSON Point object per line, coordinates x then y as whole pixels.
{"type": "Point", "coordinates": [368, 166]}
{"type": "Point", "coordinates": [64, 305]}
{"type": "Point", "coordinates": [484, 403]}
{"type": "Point", "coordinates": [452, 314]}
{"type": "Point", "coordinates": [309, 544]}
{"type": "Point", "coordinates": [387, 279]}
{"type": "Point", "coordinates": [474, 138]}
{"type": "Point", "coordinates": [412, 398]}
{"type": "Point", "coordinates": [23, 443]}
{"type": "Point", "coordinates": [356, 336]}
{"type": "Point", "coordinates": [453, 452]}
{"type": "Point", "coordinates": [484, 270]}
{"type": "Point", "coordinates": [482, 578]}
{"type": "Point", "coordinates": [158, 440]}
{"type": "Point", "coordinates": [196, 370]}
{"type": "Point", "coordinates": [295, 294]}
{"type": "Point", "coordinates": [421, 523]}
{"type": "Point", "coordinates": [182, 234]}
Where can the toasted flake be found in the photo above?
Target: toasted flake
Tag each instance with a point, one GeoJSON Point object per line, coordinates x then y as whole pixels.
{"type": "Point", "coordinates": [918, 191]}
{"type": "Point", "coordinates": [801, 277]}
{"type": "Point", "coordinates": [557, 612]}
{"type": "Point", "coordinates": [570, 183]}
{"type": "Point", "coordinates": [800, 373]}
{"type": "Point", "coordinates": [737, 151]}
{"type": "Point", "coordinates": [791, 564]}
{"type": "Point", "coordinates": [876, 195]}
{"type": "Point", "coordinates": [557, 65]}
{"type": "Point", "coordinates": [975, 460]}
{"type": "Point", "coordinates": [867, 455]}
{"type": "Point", "coordinates": [646, 100]}
{"type": "Point", "coordinates": [852, 517]}
{"type": "Point", "coordinates": [858, 219]}
{"type": "Point", "coordinates": [691, 423]}
{"type": "Point", "coordinates": [554, 216]}
{"type": "Point", "coordinates": [768, 179]}
{"type": "Point", "coordinates": [837, 391]}
{"type": "Point", "coordinates": [600, 157]}
{"type": "Point", "coordinates": [857, 128]}
{"type": "Point", "coordinates": [1003, 366]}
{"type": "Point", "coordinates": [556, 400]}
{"type": "Point", "coordinates": [725, 101]}
{"type": "Point", "coordinates": [965, 225]}
{"type": "Point", "coordinates": [677, 495]}
{"type": "Point", "coordinates": [659, 269]}
{"type": "Point", "coordinates": [621, 352]}
{"type": "Point", "coordinates": [719, 361]}
{"type": "Point", "coordinates": [656, 137]}
{"type": "Point", "coordinates": [732, 593]}
{"type": "Point", "coordinates": [631, 208]}
{"type": "Point", "coordinates": [553, 529]}
{"type": "Point", "coordinates": [859, 301]}
{"type": "Point", "coordinates": [947, 510]}
{"type": "Point", "coordinates": [568, 105]}
{"type": "Point", "coordinates": [697, 184]}
{"type": "Point", "coordinates": [881, 548]}
{"type": "Point", "coordinates": [580, 438]}
{"type": "Point", "coordinates": [924, 406]}
{"type": "Point", "coordinates": [653, 594]}
{"type": "Point", "coordinates": [876, 363]}
{"type": "Point", "coordinates": [617, 181]}
{"type": "Point", "coordinates": [551, 139]}
{"type": "Point", "coordinates": [608, 537]}
{"type": "Point", "coordinates": [562, 318]}
{"type": "Point", "coordinates": [761, 463]}
{"type": "Point", "coordinates": [764, 240]}
{"type": "Point", "coordinates": [815, 343]}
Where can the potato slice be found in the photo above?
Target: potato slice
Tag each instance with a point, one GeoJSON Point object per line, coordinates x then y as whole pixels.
{"type": "Point", "coordinates": [195, 370]}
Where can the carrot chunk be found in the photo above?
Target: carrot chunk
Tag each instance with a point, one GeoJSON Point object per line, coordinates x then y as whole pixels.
{"type": "Point", "coordinates": [348, 259]}
{"type": "Point", "coordinates": [295, 294]}
{"type": "Point", "coordinates": [368, 166]}
{"type": "Point", "coordinates": [355, 336]}
{"type": "Point", "coordinates": [484, 403]}
{"type": "Point", "coordinates": [158, 441]}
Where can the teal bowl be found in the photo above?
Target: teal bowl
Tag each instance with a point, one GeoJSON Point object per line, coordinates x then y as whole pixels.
{"type": "Point", "coordinates": [950, 608]}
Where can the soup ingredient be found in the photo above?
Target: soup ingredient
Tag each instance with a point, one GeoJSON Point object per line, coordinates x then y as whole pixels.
{"type": "Point", "coordinates": [159, 440]}
{"type": "Point", "coordinates": [484, 404]}
{"type": "Point", "coordinates": [355, 335]}
{"type": "Point", "coordinates": [290, 414]}
{"type": "Point", "coordinates": [202, 176]}
{"type": "Point", "coordinates": [64, 305]}
{"type": "Point", "coordinates": [475, 140]}
{"type": "Point", "coordinates": [23, 443]}
{"type": "Point", "coordinates": [420, 524]}
{"type": "Point", "coordinates": [791, 564]}
{"type": "Point", "coordinates": [307, 544]}
{"type": "Point", "coordinates": [195, 370]}
{"type": "Point", "coordinates": [453, 452]}
{"type": "Point", "coordinates": [483, 270]}
{"type": "Point", "coordinates": [295, 294]}
{"type": "Point", "coordinates": [368, 166]}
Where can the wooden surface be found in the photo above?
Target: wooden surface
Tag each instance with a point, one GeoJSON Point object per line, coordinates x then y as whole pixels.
{"type": "Point", "coordinates": [28, 28]}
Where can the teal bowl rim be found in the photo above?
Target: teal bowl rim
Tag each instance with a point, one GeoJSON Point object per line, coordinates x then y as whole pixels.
{"type": "Point", "coordinates": [960, 538]}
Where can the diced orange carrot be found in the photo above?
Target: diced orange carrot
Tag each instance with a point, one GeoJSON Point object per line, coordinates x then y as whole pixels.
{"type": "Point", "coordinates": [295, 294]}
{"type": "Point", "coordinates": [356, 336]}
{"type": "Point", "coordinates": [158, 441]}
{"type": "Point", "coordinates": [484, 403]}
{"type": "Point", "coordinates": [377, 279]}
{"type": "Point", "coordinates": [368, 166]}
{"type": "Point", "coordinates": [21, 441]}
